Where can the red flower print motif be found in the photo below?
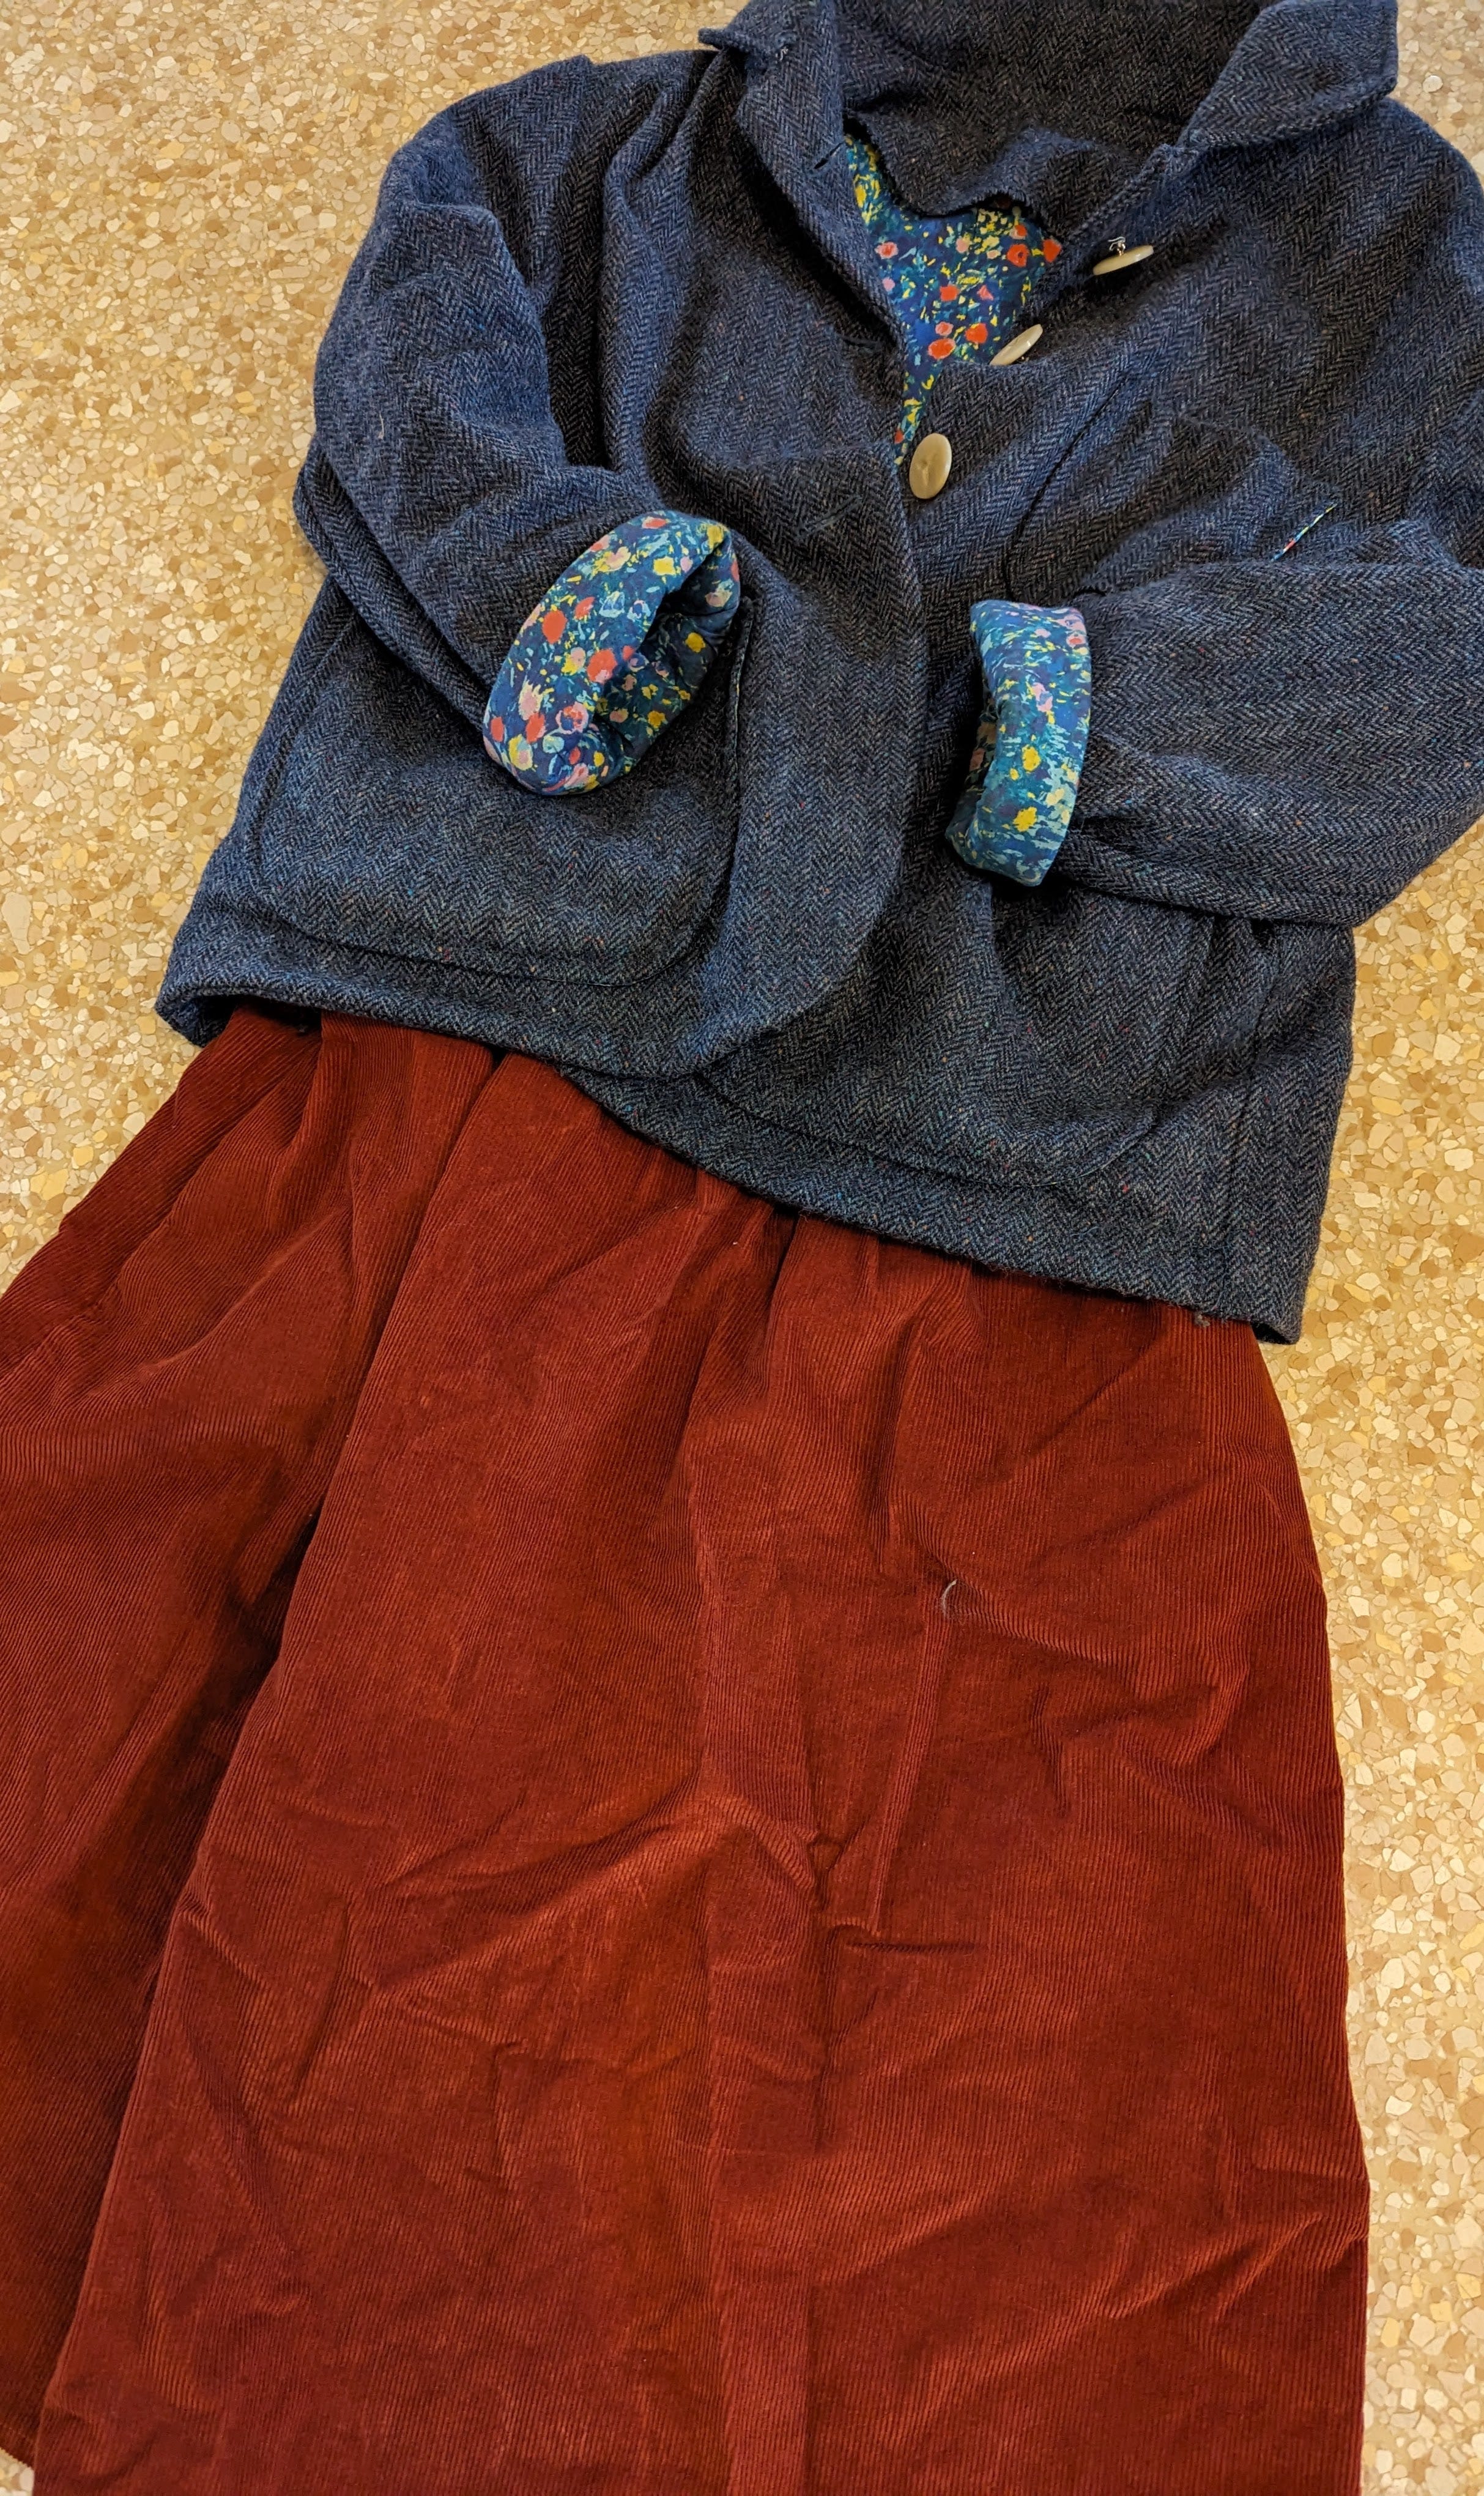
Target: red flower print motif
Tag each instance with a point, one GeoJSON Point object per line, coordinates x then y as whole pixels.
{"type": "Point", "coordinates": [1017, 229]}
{"type": "Point", "coordinates": [886, 251]}
{"type": "Point", "coordinates": [937, 348]}
{"type": "Point", "coordinates": [495, 727]}
{"type": "Point", "coordinates": [583, 608]}
{"type": "Point", "coordinates": [1051, 248]}
{"type": "Point", "coordinates": [554, 623]}
{"type": "Point", "coordinates": [947, 294]}
{"type": "Point", "coordinates": [976, 333]}
{"type": "Point", "coordinates": [1017, 255]}
{"type": "Point", "coordinates": [599, 668]}
{"type": "Point", "coordinates": [536, 725]}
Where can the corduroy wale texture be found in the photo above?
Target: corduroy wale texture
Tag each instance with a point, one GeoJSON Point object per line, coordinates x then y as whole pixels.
{"type": "Point", "coordinates": [652, 1847]}
{"type": "Point", "coordinates": [606, 289]}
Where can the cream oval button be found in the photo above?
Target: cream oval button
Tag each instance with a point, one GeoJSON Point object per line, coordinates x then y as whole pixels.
{"type": "Point", "coordinates": [1123, 258]}
{"type": "Point", "coordinates": [1019, 346]}
{"type": "Point", "coordinates": [931, 462]}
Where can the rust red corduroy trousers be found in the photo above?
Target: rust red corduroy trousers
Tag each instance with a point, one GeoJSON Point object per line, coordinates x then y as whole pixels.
{"type": "Point", "coordinates": [647, 1847]}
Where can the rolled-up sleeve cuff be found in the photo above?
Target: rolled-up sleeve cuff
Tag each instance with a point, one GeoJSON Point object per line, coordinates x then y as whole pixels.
{"type": "Point", "coordinates": [612, 652]}
{"type": "Point", "coordinates": [1022, 783]}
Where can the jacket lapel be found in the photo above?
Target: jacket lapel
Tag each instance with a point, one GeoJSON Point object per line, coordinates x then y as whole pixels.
{"type": "Point", "coordinates": [1298, 64]}
{"type": "Point", "coordinates": [791, 115]}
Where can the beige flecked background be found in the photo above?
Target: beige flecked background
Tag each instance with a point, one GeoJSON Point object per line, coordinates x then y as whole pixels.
{"type": "Point", "coordinates": [183, 185]}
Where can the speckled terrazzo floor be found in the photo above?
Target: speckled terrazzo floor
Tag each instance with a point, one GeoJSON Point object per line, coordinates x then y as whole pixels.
{"type": "Point", "coordinates": [182, 188]}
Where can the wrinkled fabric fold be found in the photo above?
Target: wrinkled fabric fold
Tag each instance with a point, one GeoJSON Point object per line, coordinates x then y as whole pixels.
{"type": "Point", "coordinates": [178, 1371]}
{"type": "Point", "coordinates": [749, 1880]}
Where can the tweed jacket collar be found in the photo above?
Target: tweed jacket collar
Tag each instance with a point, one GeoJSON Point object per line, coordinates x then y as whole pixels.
{"type": "Point", "coordinates": [1135, 93]}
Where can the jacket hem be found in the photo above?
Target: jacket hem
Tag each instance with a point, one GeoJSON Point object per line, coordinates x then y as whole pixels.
{"type": "Point", "coordinates": [1038, 1229]}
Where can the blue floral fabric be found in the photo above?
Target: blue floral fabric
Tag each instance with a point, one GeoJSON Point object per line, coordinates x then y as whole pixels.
{"type": "Point", "coordinates": [1023, 774]}
{"type": "Point", "coordinates": [612, 652]}
{"type": "Point", "coordinates": [958, 285]}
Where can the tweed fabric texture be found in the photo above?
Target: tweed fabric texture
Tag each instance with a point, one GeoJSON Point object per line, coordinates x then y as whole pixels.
{"type": "Point", "coordinates": [758, 949]}
{"type": "Point", "coordinates": [562, 718]}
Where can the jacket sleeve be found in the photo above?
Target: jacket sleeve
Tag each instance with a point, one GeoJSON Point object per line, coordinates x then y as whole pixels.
{"type": "Point", "coordinates": [1294, 738]}
{"type": "Point", "coordinates": [450, 483]}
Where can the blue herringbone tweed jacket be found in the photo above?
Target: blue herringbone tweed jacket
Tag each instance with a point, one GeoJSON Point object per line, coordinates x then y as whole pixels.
{"type": "Point", "coordinates": [609, 287]}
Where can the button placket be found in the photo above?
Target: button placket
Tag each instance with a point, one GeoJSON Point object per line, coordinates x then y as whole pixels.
{"type": "Point", "coordinates": [928, 467]}
{"type": "Point", "coordinates": [1125, 255]}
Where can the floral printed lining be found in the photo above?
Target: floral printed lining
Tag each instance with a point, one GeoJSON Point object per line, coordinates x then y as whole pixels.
{"type": "Point", "coordinates": [1022, 782]}
{"type": "Point", "coordinates": [613, 651]}
{"type": "Point", "coordinates": [958, 285]}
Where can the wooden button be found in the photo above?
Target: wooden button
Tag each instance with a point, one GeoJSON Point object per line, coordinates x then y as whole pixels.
{"type": "Point", "coordinates": [1020, 345]}
{"type": "Point", "coordinates": [931, 462]}
{"type": "Point", "coordinates": [1123, 258]}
